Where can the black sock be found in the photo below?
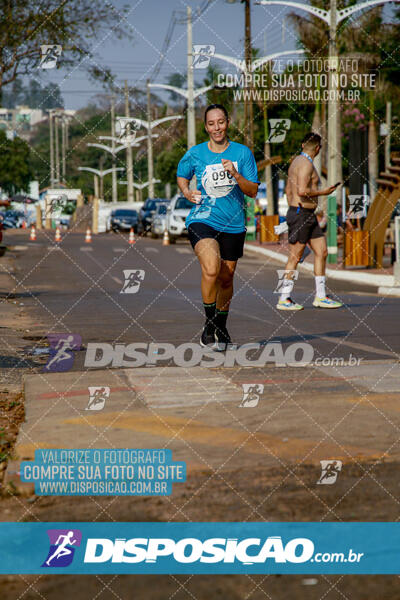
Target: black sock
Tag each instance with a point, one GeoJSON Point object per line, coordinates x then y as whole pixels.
{"type": "Point", "coordinates": [220, 318]}
{"type": "Point", "coordinates": [209, 310]}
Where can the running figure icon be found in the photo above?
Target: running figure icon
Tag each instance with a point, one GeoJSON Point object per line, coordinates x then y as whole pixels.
{"type": "Point", "coordinates": [61, 351]}
{"type": "Point", "coordinates": [62, 549]}
{"type": "Point", "coordinates": [62, 347]}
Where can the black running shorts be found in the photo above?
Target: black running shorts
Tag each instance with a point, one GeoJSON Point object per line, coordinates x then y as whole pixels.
{"type": "Point", "coordinates": [230, 244]}
{"type": "Point", "coordinates": [303, 225]}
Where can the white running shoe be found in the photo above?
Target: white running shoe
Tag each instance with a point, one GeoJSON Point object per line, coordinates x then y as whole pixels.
{"type": "Point", "coordinates": [288, 305]}
{"type": "Point", "coordinates": [326, 303]}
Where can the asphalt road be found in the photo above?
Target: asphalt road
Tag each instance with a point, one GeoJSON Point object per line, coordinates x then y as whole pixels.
{"type": "Point", "coordinates": [76, 288]}
{"type": "Point", "coordinates": [255, 464]}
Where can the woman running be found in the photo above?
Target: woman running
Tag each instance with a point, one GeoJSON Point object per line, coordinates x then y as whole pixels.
{"type": "Point", "coordinates": [225, 172]}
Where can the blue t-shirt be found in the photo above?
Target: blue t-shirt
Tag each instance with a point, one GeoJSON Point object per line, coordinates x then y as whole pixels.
{"type": "Point", "coordinates": [222, 200]}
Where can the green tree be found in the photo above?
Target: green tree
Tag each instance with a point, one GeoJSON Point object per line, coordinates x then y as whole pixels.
{"type": "Point", "coordinates": [73, 24]}
{"type": "Point", "coordinates": [15, 166]}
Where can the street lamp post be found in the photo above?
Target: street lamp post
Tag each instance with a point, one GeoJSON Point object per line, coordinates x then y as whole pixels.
{"type": "Point", "coordinates": [190, 96]}
{"type": "Point", "coordinates": [100, 173]}
{"type": "Point", "coordinates": [133, 143]}
{"type": "Point", "coordinates": [149, 125]}
{"type": "Point", "coordinates": [191, 122]}
{"type": "Point", "coordinates": [114, 173]}
{"type": "Point", "coordinates": [64, 143]}
{"type": "Point", "coordinates": [140, 186]}
{"type": "Point", "coordinates": [51, 125]}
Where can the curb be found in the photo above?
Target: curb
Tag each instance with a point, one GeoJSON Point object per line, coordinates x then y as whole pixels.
{"type": "Point", "coordinates": [382, 282]}
{"type": "Point", "coordinates": [389, 291]}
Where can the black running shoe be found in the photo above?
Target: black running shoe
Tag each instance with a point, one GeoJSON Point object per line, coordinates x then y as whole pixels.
{"type": "Point", "coordinates": [208, 336]}
{"type": "Point", "coordinates": [222, 338]}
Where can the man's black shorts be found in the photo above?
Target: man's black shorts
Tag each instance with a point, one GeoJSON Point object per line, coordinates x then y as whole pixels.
{"type": "Point", "coordinates": [303, 225]}
{"type": "Point", "coordinates": [230, 244]}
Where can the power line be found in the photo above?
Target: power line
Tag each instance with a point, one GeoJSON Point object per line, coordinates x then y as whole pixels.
{"type": "Point", "coordinates": [178, 17]}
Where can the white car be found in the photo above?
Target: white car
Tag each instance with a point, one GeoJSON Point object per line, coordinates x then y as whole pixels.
{"type": "Point", "coordinates": [159, 220]}
{"type": "Point", "coordinates": [178, 210]}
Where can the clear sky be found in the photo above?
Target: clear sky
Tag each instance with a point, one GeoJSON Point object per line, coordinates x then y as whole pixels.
{"type": "Point", "coordinates": [222, 24]}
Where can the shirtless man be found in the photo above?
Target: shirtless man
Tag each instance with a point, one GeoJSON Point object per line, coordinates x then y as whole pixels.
{"type": "Point", "coordinates": [302, 194]}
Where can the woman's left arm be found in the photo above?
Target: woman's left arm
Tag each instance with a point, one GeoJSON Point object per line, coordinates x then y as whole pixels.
{"type": "Point", "coordinates": [249, 188]}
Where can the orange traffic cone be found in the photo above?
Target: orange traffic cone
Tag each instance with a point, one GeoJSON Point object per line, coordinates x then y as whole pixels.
{"type": "Point", "coordinates": [32, 237]}
{"type": "Point", "coordinates": [57, 237]}
{"type": "Point", "coordinates": [131, 236]}
{"type": "Point", "coordinates": [88, 236]}
{"type": "Point", "coordinates": [23, 225]}
{"type": "Point", "coordinates": [165, 241]}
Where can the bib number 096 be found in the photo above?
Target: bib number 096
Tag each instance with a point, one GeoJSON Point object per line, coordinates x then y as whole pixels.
{"type": "Point", "coordinates": [221, 177]}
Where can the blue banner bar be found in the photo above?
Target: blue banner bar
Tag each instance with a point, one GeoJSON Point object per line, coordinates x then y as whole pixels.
{"type": "Point", "coordinates": [200, 548]}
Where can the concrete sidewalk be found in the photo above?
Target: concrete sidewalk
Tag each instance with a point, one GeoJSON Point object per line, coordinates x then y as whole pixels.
{"type": "Point", "coordinates": [196, 413]}
{"type": "Point", "coordinates": [384, 283]}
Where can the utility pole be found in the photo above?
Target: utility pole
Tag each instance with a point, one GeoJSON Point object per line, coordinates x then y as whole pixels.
{"type": "Point", "coordinates": [57, 149]}
{"type": "Point", "coordinates": [191, 122]}
{"type": "Point", "coordinates": [114, 162]}
{"type": "Point", "coordinates": [248, 103]}
{"type": "Point", "coordinates": [333, 104]}
{"type": "Point", "coordinates": [52, 178]}
{"type": "Point", "coordinates": [129, 162]}
{"type": "Point", "coordinates": [150, 174]}
{"type": "Point", "coordinates": [63, 149]}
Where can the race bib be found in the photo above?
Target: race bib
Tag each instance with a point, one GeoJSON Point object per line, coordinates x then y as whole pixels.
{"type": "Point", "coordinates": [219, 176]}
{"type": "Point", "coordinates": [217, 181]}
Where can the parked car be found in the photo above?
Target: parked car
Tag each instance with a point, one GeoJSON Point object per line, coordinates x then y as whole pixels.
{"type": "Point", "coordinates": [159, 220]}
{"type": "Point", "coordinates": [11, 219]}
{"type": "Point", "coordinates": [14, 218]}
{"type": "Point", "coordinates": [147, 211]}
{"type": "Point", "coordinates": [123, 219]}
{"type": "Point", "coordinates": [178, 210]}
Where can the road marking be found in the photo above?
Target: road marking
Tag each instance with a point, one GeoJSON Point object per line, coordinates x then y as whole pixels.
{"type": "Point", "coordinates": [119, 249]}
{"type": "Point", "coordinates": [53, 248]}
{"type": "Point", "coordinates": [86, 249]}
{"type": "Point", "coordinates": [183, 250]}
{"type": "Point", "coordinates": [358, 346]}
{"type": "Point", "coordinates": [116, 279]}
{"type": "Point", "coordinates": [333, 340]}
{"type": "Point", "coordinates": [151, 249]}
{"type": "Point", "coordinates": [18, 248]}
